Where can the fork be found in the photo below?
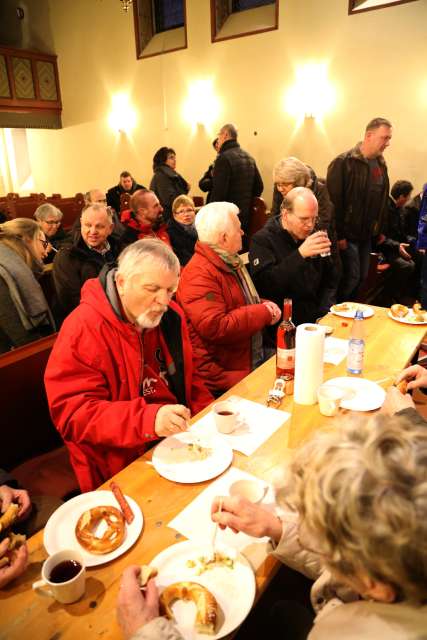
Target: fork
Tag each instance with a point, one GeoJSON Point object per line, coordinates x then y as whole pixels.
{"type": "Point", "coordinates": [216, 531]}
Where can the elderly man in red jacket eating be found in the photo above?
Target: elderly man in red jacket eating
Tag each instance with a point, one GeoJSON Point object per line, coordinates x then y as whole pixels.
{"type": "Point", "coordinates": [218, 296]}
{"type": "Point", "coordinates": [122, 371]}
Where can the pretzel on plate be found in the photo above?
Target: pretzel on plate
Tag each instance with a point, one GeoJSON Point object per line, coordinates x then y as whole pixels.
{"type": "Point", "coordinates": [206, 604]}
{"type": "Point", "coordinates": [112, 537]}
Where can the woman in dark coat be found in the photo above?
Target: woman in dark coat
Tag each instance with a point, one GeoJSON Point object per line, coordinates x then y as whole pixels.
{"type": "Point", "coordinates": [166, 183]}
{"type": "Point", "coordinates": [181, 228]}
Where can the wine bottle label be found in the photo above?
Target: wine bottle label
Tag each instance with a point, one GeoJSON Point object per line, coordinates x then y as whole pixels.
{"type": "Point", "coordinates": [285, 358]}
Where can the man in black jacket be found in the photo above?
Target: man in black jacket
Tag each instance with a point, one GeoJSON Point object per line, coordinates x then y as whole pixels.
{"type": "Point", "coordinates": [358, 186]}
{"type": "Point", "coordinates": [94, 246]}
{"type": "Point", "coordinates": [235, 175]}
{"type": "Point", "coordinates": [126, 185]}
{"type": "Point", "coordinates": [285, 257]}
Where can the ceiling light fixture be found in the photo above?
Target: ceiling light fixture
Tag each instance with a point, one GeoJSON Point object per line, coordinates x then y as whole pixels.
{"type": "Point", "coordinates": [126, 4]}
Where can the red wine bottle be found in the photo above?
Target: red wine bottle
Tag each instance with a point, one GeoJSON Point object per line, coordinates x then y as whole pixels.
{"type": "Point", "coordinates": [285, 355]}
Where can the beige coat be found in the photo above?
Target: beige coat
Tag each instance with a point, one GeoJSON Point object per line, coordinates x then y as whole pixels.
{"type": "Point", "coordinates": [341, 615]}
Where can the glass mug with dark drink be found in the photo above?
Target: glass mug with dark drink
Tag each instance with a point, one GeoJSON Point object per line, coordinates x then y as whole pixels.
{"type": "Point", "coordinates": [63, 577]}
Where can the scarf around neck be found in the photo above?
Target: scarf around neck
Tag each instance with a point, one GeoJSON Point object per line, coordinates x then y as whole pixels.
{"type": "Point", "coordinates": [25, 291]}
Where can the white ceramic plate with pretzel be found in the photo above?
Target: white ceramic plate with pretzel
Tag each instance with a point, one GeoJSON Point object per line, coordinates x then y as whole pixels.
{"type": "Point", "coordinates": [348, 309]}
{"type": "Point", "coordinates": [233, 586]}
{"type": "Point", "coordinates": [60, 529]}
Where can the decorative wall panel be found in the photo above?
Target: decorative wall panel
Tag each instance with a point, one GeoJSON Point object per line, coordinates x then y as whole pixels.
{"type": "Point", "coordinates": [23, 77]}
{"type": "Point", "coordinates": [47, 83]}
{"type": "Point", "coordinates": [29, 89]}
{"type": "Point", "coordinates": [4, 81]}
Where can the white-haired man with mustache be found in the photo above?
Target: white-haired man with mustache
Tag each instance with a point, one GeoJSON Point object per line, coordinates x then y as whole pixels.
{"type": "Point", "coordinates": [122, 371]}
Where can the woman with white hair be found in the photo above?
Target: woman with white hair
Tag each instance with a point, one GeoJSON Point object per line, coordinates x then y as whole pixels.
{"type": "Point", "coordinates": [225, 313]}
{"type": "Point", "coordinates": [356, 524]}
{"type": "Point", "coordinates": [24, 313]}
{"type": "Point", "coordinates": [354, 519]}
{"type": "Point", "coordinates": [49, 219]}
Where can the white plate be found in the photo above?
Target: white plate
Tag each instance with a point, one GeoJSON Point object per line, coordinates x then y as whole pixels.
{"type": "Point", "coordinates": [406, 319]}
{"type": "Point", "coordinates": [234, 589]}
{"type": "Point", "coordinates": [170, 459]}
{"type": "Point", "coordinates": [364, 395]}
{"type": "Point", "coordinates": [367, 311]}
{"type": "Point", "coordinates": [60, 534]}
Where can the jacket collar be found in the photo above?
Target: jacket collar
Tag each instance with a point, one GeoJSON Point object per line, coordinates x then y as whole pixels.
{"type": "Point", "coordinates": [229, 144]}
{"type": "Point", "coordinates": [203, 249]}
{"type": "Point", "coordinates": [357, 155]}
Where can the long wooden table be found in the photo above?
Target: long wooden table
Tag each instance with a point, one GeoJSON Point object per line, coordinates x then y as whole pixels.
{"type": "Point", "coordinates": [390, 347]}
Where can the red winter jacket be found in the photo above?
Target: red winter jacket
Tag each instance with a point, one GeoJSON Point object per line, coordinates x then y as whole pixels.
{"type": "Point", "coordinates": [221, 323]}
{"type": "Point", "coordinates": [93, 383]}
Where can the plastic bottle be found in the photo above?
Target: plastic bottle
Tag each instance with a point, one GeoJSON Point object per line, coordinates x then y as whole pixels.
{"type": "Point", "coordinates": [356, 345]}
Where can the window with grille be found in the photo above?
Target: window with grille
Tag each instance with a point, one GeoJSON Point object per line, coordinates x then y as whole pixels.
{"type": "Point", "coordinates": [168, 14]}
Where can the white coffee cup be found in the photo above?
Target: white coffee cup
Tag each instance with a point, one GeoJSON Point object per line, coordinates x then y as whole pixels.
{"type": "Point", "coordinates": [329, 398]}
{"type": "Point", "coordinates": [66, 590]}
{"type": "Point", "coordinates": [225, 416]}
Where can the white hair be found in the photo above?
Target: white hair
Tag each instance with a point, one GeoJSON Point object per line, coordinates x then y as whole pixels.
{"type": "Point", "coordinates": [45, 210]}
{"type": "Point", "coordinates": [213, 219]}
{"type": "Point", "coordinates": [131, 261]}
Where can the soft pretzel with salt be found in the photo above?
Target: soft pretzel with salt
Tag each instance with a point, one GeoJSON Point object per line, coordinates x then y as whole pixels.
{"type": "Point", "coordinates": [206, 604]}
{"type": "Point", "coordinates": [399, 310]}
{"type": "Point", "coordinates": [112, 537]}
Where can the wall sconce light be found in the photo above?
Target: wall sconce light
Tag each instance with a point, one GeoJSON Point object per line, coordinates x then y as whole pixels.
{"type": "Point", "coordinates": [202, 106]}
{"type": "Point", "coordinates": [312, 95]}
{"type": "Point", "coordinates": [122, 117]}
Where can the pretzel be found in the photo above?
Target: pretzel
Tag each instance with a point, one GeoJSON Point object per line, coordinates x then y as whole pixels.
{"type": "Point", "coordinates": [147, 573]}
{"type": "Point", "coordinates": [206, 604]}
{"type": "Point", "coordinates": [399, 310]}
{"type": "Point", "coordinates": [402, 386]}
{"type": "Point", "coordinates": [9, 517]}
{"type": "Point", "coordinates": [113, 536]}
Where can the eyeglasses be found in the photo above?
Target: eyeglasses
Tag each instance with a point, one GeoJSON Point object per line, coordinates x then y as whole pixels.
{"type": "Point", "coordinates": [52, 222]}
{"type": "Point", "coordinates": [45, 243]}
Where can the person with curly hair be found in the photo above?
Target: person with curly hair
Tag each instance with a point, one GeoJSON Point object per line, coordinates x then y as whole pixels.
{"type": "Point", "coordinates": [354, 521]}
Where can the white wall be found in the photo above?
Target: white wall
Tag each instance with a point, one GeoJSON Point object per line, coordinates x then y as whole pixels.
{"type": "Point", "coordinates": [377, 65]}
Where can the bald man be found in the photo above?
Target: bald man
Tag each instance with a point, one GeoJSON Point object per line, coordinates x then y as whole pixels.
{"type": "Point", "coordinates": [286, 257]}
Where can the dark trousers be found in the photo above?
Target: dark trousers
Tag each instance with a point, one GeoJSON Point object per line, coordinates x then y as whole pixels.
{"type": "Point", "coordinates": [355, 267]}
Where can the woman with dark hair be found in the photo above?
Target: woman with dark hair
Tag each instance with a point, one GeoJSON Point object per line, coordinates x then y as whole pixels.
{"type": "Point", "coordinates": [166, 183]}
{"type": "Point", "coordinates": [24, 313]}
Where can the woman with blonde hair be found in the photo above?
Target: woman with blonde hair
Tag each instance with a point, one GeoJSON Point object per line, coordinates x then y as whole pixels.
{"type": "Point", "coordinates": [24, 313]}
{"type": "Point", "coordinates": [181, 228]}
{"type": "Point", "coordinates": [355, 521]}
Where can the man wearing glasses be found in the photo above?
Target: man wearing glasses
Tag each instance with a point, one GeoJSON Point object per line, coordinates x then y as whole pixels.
{"type": "Point", "coordinates": [49, 218]}
{"type": "Point", "coordinates": [286, 260]}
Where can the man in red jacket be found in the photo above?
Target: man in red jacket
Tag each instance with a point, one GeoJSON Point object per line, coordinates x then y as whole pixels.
{"type": "Point", "coordinates": [226, 316]}
{"type": "Point", "coordinates": [121, 373]}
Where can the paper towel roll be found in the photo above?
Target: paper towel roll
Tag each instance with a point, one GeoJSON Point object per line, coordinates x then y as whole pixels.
{"type": "Point", "coordinates": [309, 345]}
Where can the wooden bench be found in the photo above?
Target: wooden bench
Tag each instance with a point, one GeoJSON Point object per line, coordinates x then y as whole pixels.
{"type": "Point", "coordinates": [31, 448]}
{"type": "Point", "coordinates": [16, 206]}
